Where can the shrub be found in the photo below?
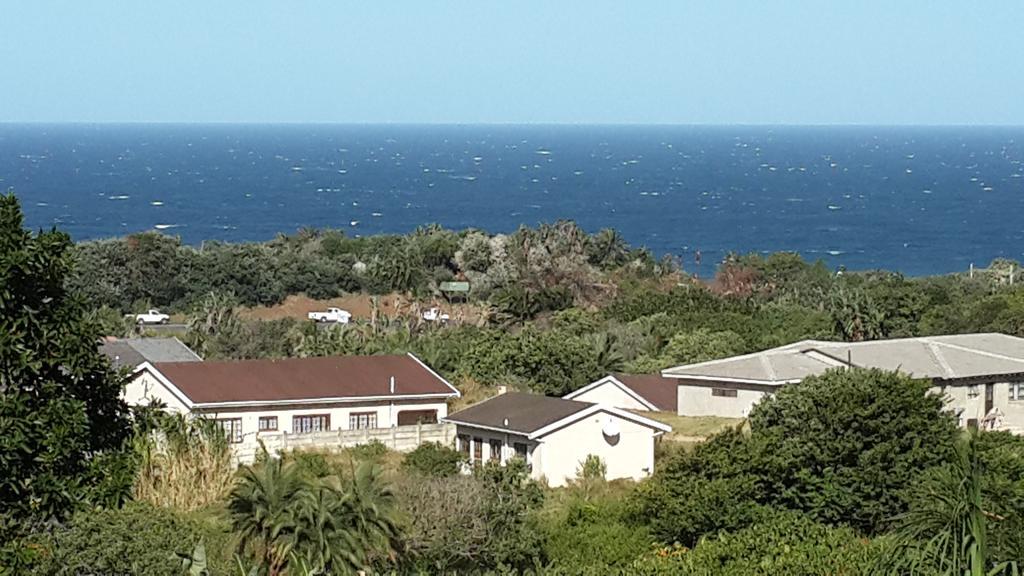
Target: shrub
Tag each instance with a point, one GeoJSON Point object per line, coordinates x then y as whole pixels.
{"type": "Point", "coordinates": [137, 539]}
{"type": "Point", "coordinates": [782, 544]}
{"type": "Point", "coordinates": [845, 445]}
{"type": "Point", "coordinates": [433, 459]}
{"type": "Point", "coordinates": [842, 448]}
{"type": "Point", "coordinates": [373, 450]}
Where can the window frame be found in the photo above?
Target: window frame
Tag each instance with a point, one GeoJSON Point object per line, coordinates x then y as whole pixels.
{"type": "Point", "coordinates": [495, 455]}
{"type": "Point", "coordinates": [261, 428]}
{"type": "Point", "coordinates": [478, 450]}
{"type": "Point", "coordinates": [725, 393]}
{"type": "Point", "coordinates": [1016, 391]}
{"type": "Point", "coordinates": [232, 428]}
{"type": "Point", "coordinates": [324, 418]}
{"type": "Point", "coordinates": [356, 417]}
{"type": "Point", "coordinates": [463, 444]}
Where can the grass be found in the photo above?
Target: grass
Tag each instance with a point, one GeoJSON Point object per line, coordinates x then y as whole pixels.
{"type": "Point", "coordinates": [692, 429]}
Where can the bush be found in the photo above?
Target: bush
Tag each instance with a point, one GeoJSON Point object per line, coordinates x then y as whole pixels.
{"type": "Point", "coordinates": [845, 445]}
{"type": "Point", "coordinates": [593, 535]}
{"type": "Point", "coordinates": [137, 539]}
{"type": "Point", "coordinates": [433, 459]}
{"type": "Point", "coordinates": [783, 544]}
{"type": "Point", "coordinates": [842, 448]}
{"type": "Point", "coordinates": [471, 524]}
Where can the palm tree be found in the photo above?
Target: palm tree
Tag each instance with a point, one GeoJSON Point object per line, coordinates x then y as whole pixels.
{"type": "Point", "coordinates": [328, 525]}
{"type": "Point", "coordinates": [262, 507]}
{"type": "Point", "coordinates": [946, 528]}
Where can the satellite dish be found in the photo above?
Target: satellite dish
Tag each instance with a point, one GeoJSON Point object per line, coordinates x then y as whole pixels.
{"type": "Point", "coordinates": [611, 428]}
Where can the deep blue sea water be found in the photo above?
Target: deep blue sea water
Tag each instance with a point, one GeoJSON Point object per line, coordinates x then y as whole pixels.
{"type": "Point", "coordinates": [918, 200]}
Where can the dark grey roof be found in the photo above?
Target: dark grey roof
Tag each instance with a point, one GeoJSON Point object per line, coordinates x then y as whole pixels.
{"type": "Point", "coordinates": [131, 352]}
{"type": "Point", "coordinates": [525, 413]}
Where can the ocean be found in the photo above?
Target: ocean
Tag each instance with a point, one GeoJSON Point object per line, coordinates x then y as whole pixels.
{"type": "Point", "coordinates": [916, 200]}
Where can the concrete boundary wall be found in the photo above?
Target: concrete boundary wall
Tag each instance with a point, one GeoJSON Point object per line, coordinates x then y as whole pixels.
{"type": "Point", "coordinates": [398, 438]}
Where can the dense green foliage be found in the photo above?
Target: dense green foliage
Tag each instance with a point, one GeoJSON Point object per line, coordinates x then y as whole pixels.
{"type": "Point", "coordinates": [842, 448]}
{"type": "Point", "coordinates": [527, 271]}
{"type": "Point", "coordinates": [136, 539]}
{"type": "Point", "coordinates": [63, 423]}
{"type": "Point", "coordinates": [435, 460]}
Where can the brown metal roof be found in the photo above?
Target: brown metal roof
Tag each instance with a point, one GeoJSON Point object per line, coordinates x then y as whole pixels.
{"type": "Point", "coordinates": [305, 379]}
{"type": "Point", "coordinates": [658, 390]}
{"type": "Point", "coordinates": [526, 413]}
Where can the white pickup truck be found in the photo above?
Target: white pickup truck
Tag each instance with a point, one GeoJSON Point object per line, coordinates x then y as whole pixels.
{"type": "Point", "coordinates": [435, 315]}
{"type": "Point", "coordinates": [153, 316]}
{"type": "Point", "coordinates": [331, 315]}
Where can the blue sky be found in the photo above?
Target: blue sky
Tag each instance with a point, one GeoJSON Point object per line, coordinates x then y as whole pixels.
{"type": "Point", "coordinates": [712, 62]}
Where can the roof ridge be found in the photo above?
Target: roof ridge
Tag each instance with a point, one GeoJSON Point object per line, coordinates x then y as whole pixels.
{"type": "Point", "coordinates": [963, 348]}
{"type": "Point", "coordinates": [767, 365]}
{"type": "Point", "coordinates": [758, 354]}
{"type": "Point", "coordinates": [933, 348]}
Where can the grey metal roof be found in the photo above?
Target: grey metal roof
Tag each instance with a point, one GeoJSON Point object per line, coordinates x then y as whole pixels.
{"type": "Point", "coordinates": [936, 357]}
{"type": "Point", "coordinates": [524, 413]}
{"type": "Point", "coordinates": [131, 352]}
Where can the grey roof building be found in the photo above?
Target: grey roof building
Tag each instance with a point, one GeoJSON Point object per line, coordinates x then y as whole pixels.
{"type": "Point", "coordinates": [951, 357]}
{"type": "Point", "coordinates": [131, 352]}
{"type": "Point", "coordinates": [981, 376]}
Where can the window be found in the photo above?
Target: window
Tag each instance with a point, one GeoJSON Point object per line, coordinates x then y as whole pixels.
{"type": "Point", "coordinates": [464, 445]}
{"type": "Point", "coordinates": [362, 420]}
{"type": "Point", "coordinates": [268, 423]}
{"type": "Point", "coordinates": [495, 450]}
{"type": "Point", "coordinates": [1017, 391]}
{"type": "Point", "coordinates": [232, 429]}
{"type": "Point", "coordinates": [972, 391]}
{"type": "Point", "coordinates": [311, 423]}
{"type": "Point", "coordinates": [723, 392]}
{"type": "Point", "coordinates": [414, 417]}
{"type": "Point", "coordinates": [478, 450]}
{"type": "Point", "coordinates": [520, 450]}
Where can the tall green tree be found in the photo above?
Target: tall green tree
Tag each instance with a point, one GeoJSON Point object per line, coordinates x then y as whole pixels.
{"type": "Point", "coordinates": [60, 412]}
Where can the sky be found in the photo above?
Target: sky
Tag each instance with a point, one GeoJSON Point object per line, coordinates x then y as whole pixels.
{"type": "Point", "coordinates": [553, 61]}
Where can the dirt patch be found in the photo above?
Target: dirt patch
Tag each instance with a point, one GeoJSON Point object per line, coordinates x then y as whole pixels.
{"type": "Point", "coordinates": [361, 306]}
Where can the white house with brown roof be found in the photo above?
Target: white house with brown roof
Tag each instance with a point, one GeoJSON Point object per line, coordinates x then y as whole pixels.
{"type": "Point", "coordinates": [251, 398]}
{"type": "Point", "coordinates": [981, 375]}
{"type": "Point", "coordinates": [556, 435]}
{"type": "Point", "coordinates": [643, 392]}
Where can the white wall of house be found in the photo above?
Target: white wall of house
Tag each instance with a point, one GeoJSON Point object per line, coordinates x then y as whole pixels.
{"type": "Point", "coordinates": [969, 401]}
{"type": "Point", "coordinates": [506, 450]}
{"type": "Point", "coordinates": [384, 413]}
{"type": "Point", "coordinates": [559, 455]}
{"type": "Point", "coordinates": [1012, 409]}
{"type": "Point", "coordinates": [610, 394]}
{"type": "Point", "coordinates": [144, 388]}
{"type": "Point", "coordinates": [701, 401]}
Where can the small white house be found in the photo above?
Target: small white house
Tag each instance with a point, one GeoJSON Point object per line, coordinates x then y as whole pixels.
{"type": "Point", "coordinates": [642, 392]}
{"type": "Point", "coordinates": [297, 395]}
{"type": "Point", "coordinates": [555, 436]}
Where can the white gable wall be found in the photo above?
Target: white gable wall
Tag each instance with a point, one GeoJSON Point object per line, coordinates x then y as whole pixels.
{"type": "Point", "coordinates": [610, 394]}
{"type": "Point", "coordinates": [560, 454]}
{"type": "Point", "coordinates": [144, 388]}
